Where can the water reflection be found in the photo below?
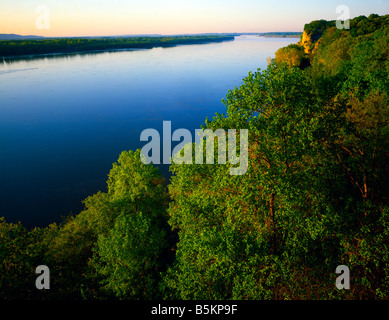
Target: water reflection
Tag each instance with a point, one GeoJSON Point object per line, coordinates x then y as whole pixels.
{"type": "Point", "coordinates": [17, 70]}
{"type": "Point", "coordinates": [60, 56]}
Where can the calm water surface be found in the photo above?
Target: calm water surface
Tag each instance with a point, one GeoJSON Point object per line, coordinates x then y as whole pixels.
{"type": "Point", "coordinates": [65, 119]}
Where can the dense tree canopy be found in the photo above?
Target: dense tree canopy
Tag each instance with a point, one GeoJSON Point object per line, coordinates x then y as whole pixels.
{"type": "Point", "coordinates": [293, 55]}
{"type": "Point", "coordinates": [315, 194]}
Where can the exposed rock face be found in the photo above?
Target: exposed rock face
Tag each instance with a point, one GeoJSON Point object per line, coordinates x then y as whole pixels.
{"type": "Point", "coordinates": [312, 33]}
{"type": "Point", "coordinates": [306, 42]}
{"type": "Point", "coordinates": [310, 42]}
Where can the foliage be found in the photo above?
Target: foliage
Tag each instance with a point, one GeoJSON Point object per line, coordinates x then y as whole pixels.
{"type": "Point", "coordinates": [316, 28]}
{"type": "Point", "coordinates": [130, 255]}
{"type": "Point", "coordinates": [293, 55]}
{"type": "Point", "coordinates": [18, 260]}
{"type": "Point", "coordinates": [125, 226]}
{"type": "Point", "coordinates": [315, 195]}
{"type": "Point", "coordinates": [242, 237]}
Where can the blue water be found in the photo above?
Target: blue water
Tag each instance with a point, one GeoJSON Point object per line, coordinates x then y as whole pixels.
{"type": "Point", "coordinates": [65, 119]}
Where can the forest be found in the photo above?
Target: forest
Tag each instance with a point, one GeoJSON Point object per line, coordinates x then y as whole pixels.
{"type": "Point", "coordinates": [315, 195]}
{"type": "Point", "coordinates": [67, 45]}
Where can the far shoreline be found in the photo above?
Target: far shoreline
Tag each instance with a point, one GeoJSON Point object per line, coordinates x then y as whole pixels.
{"type": "Point", "coordinates": [5, 59]}
{"type": "Point", "coordinates": [11, 49]}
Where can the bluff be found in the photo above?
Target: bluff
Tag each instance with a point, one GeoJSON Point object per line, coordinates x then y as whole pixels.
{"type": "Point", "coordinates": [312, 34]}
{"type": "Point", "coordinates": [322, 42]}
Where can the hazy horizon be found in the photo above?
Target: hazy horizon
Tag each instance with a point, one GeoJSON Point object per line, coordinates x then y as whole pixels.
{"type": "Point", "coordinates": [75, 18]}
{"type": "Point", "coordinates": [152, 34]}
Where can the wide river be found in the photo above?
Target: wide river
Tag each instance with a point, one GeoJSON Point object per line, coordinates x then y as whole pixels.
{"type": "Point", "coordinates": [64, 119]}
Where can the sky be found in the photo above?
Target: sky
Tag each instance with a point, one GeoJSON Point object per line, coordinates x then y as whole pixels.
{"type": "Point", "coordinates": [64, 18]}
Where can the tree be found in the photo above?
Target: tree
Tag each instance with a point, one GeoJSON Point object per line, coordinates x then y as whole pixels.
{"type": "Point", "coordinates": [19, 256]}
{"type": "Point", "coordinates": [293, 55]}
{"type": "Point", "coordinates": [130, 254]}
{"type": "Point", "coordinates": [129, 257]}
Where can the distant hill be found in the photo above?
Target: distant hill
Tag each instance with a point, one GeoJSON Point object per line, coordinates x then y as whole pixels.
{"type": "Point", "coordinates": [12, 36]}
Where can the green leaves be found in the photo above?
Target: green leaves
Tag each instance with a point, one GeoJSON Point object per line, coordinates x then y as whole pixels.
{"type": "Point", "coordinates": [293, 55]}
{"type": "Point", "coordinates": [128, 257]}
{"type": "Point", "coordinates": [131, 179]}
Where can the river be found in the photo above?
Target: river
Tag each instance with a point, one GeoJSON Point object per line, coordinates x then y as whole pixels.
{"type": "Point", "coordinates": [64, 119]}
